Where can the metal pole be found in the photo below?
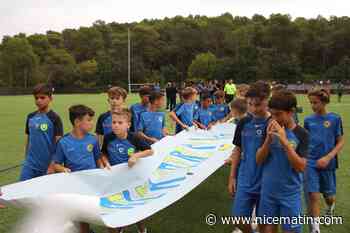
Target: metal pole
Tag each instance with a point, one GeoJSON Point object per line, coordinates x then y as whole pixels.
{"type": "Point", "coordinates": [129, 61]}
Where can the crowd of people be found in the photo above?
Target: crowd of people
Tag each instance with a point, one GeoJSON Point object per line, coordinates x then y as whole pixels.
{"type": "Point", "coordinates": [273, 161]}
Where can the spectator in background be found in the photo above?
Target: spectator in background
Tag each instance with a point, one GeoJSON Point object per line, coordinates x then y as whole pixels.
{"type": "Point", "coordinates": [230, 91]}
{"type": "Point", "coordinates": [340, 90]}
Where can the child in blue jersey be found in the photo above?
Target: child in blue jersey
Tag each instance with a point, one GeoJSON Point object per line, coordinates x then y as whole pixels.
{"type": "Point", "coordinates": [283, 157]}
{"type": "Point", "coordinates": [78, 150]}
{"type": "Point", "coordinates": [116, 100]}
{"type": "Point", "coordinates": [43, 129]}
{"type": "Point", "coordinates": [183, 114]}
{"type": "Point", "coordinates": [151, 126]}
{"type": "Point", "coordinates": [120, 146]}
{"type": "Point", "coordinates": [326, 141]}
{"type": "Point", "coordinates": [204, 117]}
{"type": "Point", "coordinates": [238, 111]}
{"type": "Point", "coordinates": [247, 140]}
{"type": "Point", "coordinates": [139, 108]}
{"type": "Point", "coordinates": [220, 108]}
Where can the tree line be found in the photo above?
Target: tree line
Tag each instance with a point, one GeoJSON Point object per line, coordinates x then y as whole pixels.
{"type": "Point", "coordinates": [181, 49]}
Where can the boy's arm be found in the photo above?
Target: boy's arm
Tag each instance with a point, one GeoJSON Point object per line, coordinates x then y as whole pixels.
{"type": "Point", "coordinates": [60, 168]}
{"type": "Point", "coordinates": [146, 138]}
{"type": "Point", "coordinates": [173, 116]}
{"type": "Point", "coordinates": [298, 162]}
{"type": "Point", "coordinates": [26, 146]}
{"type": "Point", "coordinates": [199, 125]}
{"type": "Point", "coordinates": [324, 161]}
{"type": "Point", "coordinates": [133, 158]}
{"type": "Point", "coordinates": [99, 139]}
{"type": "Point", "coordinates": [235, 158]}
{"type": "Point", "coordinates": [104, 160]}
{"type": "Point", "coordinates": [58, 159]}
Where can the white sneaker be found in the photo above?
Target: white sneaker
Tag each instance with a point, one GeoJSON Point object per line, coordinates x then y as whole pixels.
{"type": "Point", "coordinates": [236, 230]}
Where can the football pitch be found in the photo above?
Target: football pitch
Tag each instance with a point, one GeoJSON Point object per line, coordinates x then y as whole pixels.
{"type": "Point", "coordinates": [188, 214]}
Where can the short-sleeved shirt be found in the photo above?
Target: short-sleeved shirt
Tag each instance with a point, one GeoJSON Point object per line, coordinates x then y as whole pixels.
{"type": "Point", "coordinates": [118, 150]}
{"type": "Point", "coordinates": [136, 111]}
{"type": "Point", "coordinates": [279, 178]}
{"type": "Point", "coordinates": [204, 116]}
{"type": "Point", "coordinates": [220, 111]}
{"type": "Point", "coordinates": [77, 154]}
{"type": "Point", "coordinates": [185, 112]}
{"type": "Point", "coordinates": [104, 124]}
{"type": "Point", "coordinates": [324, 131]}
{"type": "Point", "coordinates": [42, 129]}
{"type": "Point", "coordinates": [249, 136]}
{"type": "Point", "coordinates": [152, 124]}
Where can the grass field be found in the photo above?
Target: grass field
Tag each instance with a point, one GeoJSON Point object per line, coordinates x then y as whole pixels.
{"type": "Point", "coordinates": [186, 215]}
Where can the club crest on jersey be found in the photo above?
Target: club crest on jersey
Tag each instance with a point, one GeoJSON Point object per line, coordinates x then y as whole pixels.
{"type": "Point", "coordinates": [44, 127]}
{"type": "Point", "coordinates": [131, 151]}
{"type": "Point", "coordinates": [327, 124]}
{"type": "Point", "coordinates": [90, 147]}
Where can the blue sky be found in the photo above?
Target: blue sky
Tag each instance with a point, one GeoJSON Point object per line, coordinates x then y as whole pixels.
{"type": "Point", "coordinates": [38, 16]}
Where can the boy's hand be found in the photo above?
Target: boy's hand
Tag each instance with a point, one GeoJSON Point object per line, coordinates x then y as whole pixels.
{"type": "Point", "coordinates": [279, 131]}
{"type": "Point", "coordinates": [50, 169]}
{"type": "Point", "coordinates": [323, 162]}
{"type": "Point", "coordinates": [66, 170]}
{"type": "Point", "coordinates": [132, 161]}
{"type": "Point", "coordinates": [231, 186]}
{"type": "Point", "coordinates": [107, 165]}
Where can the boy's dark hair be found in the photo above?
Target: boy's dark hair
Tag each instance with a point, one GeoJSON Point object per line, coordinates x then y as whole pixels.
{"type": "Point", "coordinates": [205, 96]}
{"type": "Point", "coordinates": [155, 96]}
{"type": "Point", "coordinates": [240, 105]}
{"type": "Point", "coordinates": [219, 94]}
{"type": "Point", "coordinates": [42, 88]}
{"type": "Point", "coordinates": [283, 100]}
{"type": "Point", "coordinates": [188, 92]}
{"type": "Point", "coordinates": [145, 90]}
{"type": "Point", "coordinates": [79, 111]}
{"type": "Point", "coordinates": [322, 94]}
{"type": "Point", "coordinates": [123, 112]}
{"type": "Point", "coordinates": [260, 90]}
{"type": "Point", "coordinates": [117, 91]}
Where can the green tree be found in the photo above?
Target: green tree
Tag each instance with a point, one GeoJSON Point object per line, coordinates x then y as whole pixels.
{"type": "Point", "coordinates": [203, 66]}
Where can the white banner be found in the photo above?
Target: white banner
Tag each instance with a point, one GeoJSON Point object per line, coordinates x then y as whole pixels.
{"type": "Point", "coordinates": [123, 196]}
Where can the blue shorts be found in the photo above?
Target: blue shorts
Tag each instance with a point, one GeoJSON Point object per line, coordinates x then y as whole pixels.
{"type": "Point", "coordinates": [244, 203]}
{"type": "Point", "coordinates": [28, 173]}
{"type": "Point", "coordinates": [320, 181]}
{"type": "Point", "coordinates": [288, 207]}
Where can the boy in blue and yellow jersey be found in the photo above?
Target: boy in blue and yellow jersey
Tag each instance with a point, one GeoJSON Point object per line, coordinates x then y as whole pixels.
{"type": "Point", "coordinates": [116, 100]}
{"type": "Point", "coordinates": [183, 114]}
{"type": "Point", "coordinates": [326, 141]}
{"type": "Point", "coordinates": [151, 126]}
{"type": "Point", "coordinates": [122, 146]}
{"type": "Point", "coordinates": [79, 150]}
{"type": "Point", "coordinates": [283, 157]}
{"type": "Point", "coordinates": [247, 140]}
{"type": "Point", "coordinates": [43, 129]}
{"type": "Point", "coordinates": [139, 108]}
{"type": "Point", "coordinates": [204, 117]}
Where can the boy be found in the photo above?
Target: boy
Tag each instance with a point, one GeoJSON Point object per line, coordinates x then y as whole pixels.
{"type": "Point", "coordinates": [183, 114]}
{"type": "Point", "coordinates": [204, 116]}
{"type": "Point", "coordinates": [78, 150]}
{"type": "Point", "coordinates": [151, 127]}
{"type": "Point", "coordinates": [326, 141]}
{"type": "Point", "coordinates": [43, 129]}
{"type": "Point", "coordinates": [283, 156]}
{"type": "Point", "coordinates": [116, 100]}
{"type": "Point", "coordinates": [247, 139]}
{"type": "Point", "coordinates": [137, 109]}
{"type": "Point", "coordinates": [242, 91]}
{"type": "Point", "coordinates": [120, 146]}
{"type": "Point", "coordinates": [220, 109]}
{"type": "Point", "coordinates": [238, 111]}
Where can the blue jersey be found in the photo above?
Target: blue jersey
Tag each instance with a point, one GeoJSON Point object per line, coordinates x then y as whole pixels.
{"type": "Point", "coordinates": [118, 150]}
{"type": "Point", "coordinates": [185, 112]}
{"type": "Point", "coordinates": [249, 136]}
{"type": "Point", "coordinates": [152, 124]}
{"type": "Point", "coordinates": [280, 179]}
{"type": "Point", "coordinates": [204, 116]}
{"type": "Point", "coordinates": [136, 111]}
{"type": "Point", "coordinates": [42, 129]}
{"type": "Point", "coordinates": [220, 111]}
{"type": "Point", "coordinates": [324, 131]}
{"type": "Point", "coordinates": [104, 124]}
{"type": "Point", "coordinates": [77, 154]}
